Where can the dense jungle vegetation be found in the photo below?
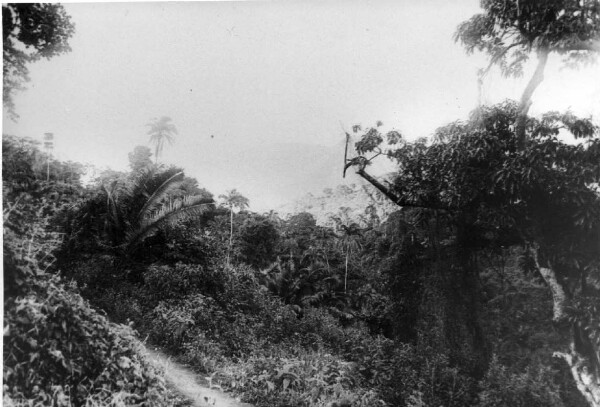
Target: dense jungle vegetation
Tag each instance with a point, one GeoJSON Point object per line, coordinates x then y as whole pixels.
{"type": "Point", "coordinates": [481, 289]}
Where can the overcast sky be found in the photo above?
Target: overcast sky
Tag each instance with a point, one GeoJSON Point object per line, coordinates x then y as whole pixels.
{"type": "Point", "coordinates": [260, 76]}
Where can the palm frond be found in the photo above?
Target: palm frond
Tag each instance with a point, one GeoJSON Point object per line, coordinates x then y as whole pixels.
{"type": "Point", "coordinates": [168, 214]}
{"type": "Point", "coordinates": [112, 221]}
{"type": "Point", "coordinates": [157, 196]}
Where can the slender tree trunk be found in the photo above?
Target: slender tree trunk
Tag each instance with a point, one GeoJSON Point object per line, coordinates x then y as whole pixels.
{"type": "Point", "coordinates": [230, 234]}
{"type": "Point", "coordinates": [525, 103]}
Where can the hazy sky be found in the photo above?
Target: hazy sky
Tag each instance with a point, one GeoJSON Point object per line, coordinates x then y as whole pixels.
{"type": "Point", "coordinates": [262, 76]}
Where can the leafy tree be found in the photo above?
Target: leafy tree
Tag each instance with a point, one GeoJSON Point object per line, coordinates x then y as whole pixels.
{"type": "Point", "coordinates": [509, 31]}
{"type": "Point", "coordinates": [161, 130]}
{"type": "Point", "coordinates": [273, 216]}
{"type": "Point", "coordinates": [299, 230]}
{"type": "Point", "coordinates": [233, 199]}
{"type": "Point", "coordinates": [491, 193]}
{"type": "Point", "coordinates": [30, 32]}
{"type": "Point", "coordinates": [189, 186]}
{"type": "Point", "coordinates": [139, 158]}
{"type": "Point", "coordinates": [258, 238]}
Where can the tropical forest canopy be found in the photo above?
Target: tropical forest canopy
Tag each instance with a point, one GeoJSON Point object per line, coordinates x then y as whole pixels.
{"type": "Point", "coordinates": [479, 287]}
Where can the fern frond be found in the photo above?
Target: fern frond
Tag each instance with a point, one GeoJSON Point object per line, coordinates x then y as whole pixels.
{"type": "Point", "coordinates": [157, 196]}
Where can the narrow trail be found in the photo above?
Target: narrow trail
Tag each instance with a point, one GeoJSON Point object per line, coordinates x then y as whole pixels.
{"type": "Point", "coordinates": [189, 384]}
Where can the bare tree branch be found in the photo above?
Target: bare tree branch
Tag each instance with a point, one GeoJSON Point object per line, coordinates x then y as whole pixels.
{"type": "Point", "coordinates": [398, 200]}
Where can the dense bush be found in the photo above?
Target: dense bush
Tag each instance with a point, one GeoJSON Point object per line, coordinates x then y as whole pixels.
{"type": "Point", "coordinates": [314, 379]}
{"type": "Point", "coordinates": [163, 282]}
{"type": "Point", "coordinates": [58, 351]}
{"type": "Point", "coordinates": [259, 347]}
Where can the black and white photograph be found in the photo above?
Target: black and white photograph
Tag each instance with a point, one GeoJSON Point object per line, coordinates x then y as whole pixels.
{"type": "Point", "coordinates": [301, 203]}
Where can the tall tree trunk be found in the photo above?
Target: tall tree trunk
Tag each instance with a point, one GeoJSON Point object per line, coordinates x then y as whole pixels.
{"type": "Point", "coordinates": [525, 103]}
{"type": "Point", "coordinates": [449, 313]}
{"type": "Point", "coordinates": [582, 354]}
{"type": "Point", "coordinates": [346, 275]}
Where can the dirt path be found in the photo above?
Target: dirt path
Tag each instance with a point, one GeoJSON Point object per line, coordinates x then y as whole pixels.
{"type": "Point", "coordinates": [188, 384]}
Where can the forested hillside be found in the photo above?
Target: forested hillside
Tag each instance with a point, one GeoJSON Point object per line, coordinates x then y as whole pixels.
{"type": "Point", "coordinates": [470, 276]}
{"type": "Point", "coordinates": [353, 202]}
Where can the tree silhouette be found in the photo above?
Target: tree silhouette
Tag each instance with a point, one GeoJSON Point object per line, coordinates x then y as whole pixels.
{"type": "Point", "coordinates": [161, 130]}
{"type": "Point", "coordinates": [139, 158]}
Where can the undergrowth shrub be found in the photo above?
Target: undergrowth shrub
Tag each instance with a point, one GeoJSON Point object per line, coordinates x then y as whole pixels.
{"type": "Point", "coordinates": [226, 325]}
{"type": "Point", "coordinates": [313, 379]}
{"type": "Point", "coordinates": [162, 282]}
{"type": "Point", "coordinates": [405, 375]}
{"type": "Point", "coordinates": [172, 322]}
{"type": "Point", "coordinates": [534, 387]}
{"type": "Point", "coordinates": [102, 282]}
{"type": "Point", "coordinates": [437, 382]}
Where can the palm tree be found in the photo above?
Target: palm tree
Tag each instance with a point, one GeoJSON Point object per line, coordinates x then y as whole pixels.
{"type": "Point", "coordinates": [233, 199]}
{"type": "Point", "coordinates": [161, 130]}
{"type": "Point", "coordinates": [156, 212]}
{"type": "Point", "coordinates": [124, 214]}
{"type": "Point", "coordinates": [348, 242]}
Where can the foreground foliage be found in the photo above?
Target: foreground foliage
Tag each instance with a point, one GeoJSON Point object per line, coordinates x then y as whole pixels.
{"type": "Point", "coordinates": [58, 351]}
